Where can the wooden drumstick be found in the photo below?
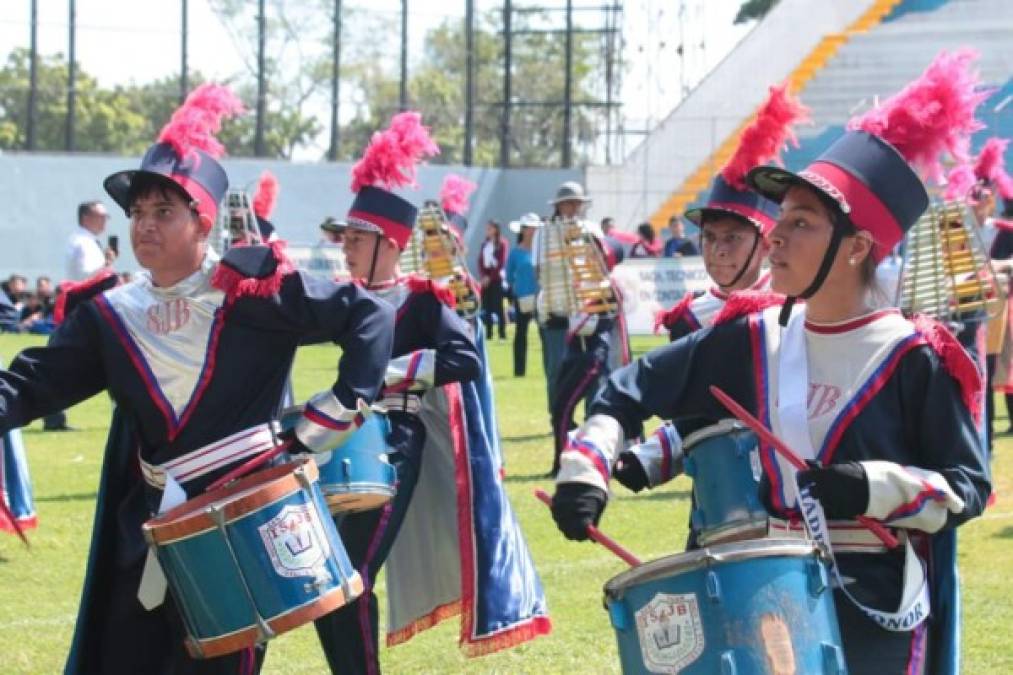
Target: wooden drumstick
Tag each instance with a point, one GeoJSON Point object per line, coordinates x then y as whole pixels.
{"type": "Point", "coordinates": [597, 535]}
{"type": "Point", "coordinates": [9, 515]}
{"type": "Point", "coordinates": [770, 439]}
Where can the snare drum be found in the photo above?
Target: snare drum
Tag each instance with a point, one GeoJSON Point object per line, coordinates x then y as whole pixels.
{"type": "Point", "coordinates": [724, 462]}
{"type": "Point", "coordinates": [747, 607]}
{"type": "Point", "coordinates": [253, 559]}
{"type": "Point", "coordinates": [357, 475]}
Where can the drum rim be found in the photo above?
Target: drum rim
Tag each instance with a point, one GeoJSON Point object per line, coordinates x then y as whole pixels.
{"type": "Point", "coordinates": [689, 561]}
{"type": "Point", "coordinates": [191, 517]}
{"type": "Point", "coordinates": [204, 648]}
{"type": "Point", "coordinates": [720, 428]}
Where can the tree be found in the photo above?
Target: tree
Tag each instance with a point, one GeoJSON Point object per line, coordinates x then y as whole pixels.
{"type": "Point", "coordinates": [754, 9]}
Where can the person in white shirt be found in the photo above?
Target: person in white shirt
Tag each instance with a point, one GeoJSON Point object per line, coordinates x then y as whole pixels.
{"type": "Point", "coordinates": [85, 253]}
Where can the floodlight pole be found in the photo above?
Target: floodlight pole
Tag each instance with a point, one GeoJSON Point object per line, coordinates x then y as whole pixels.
{"type": "Point", "coordinates": [184, 68]}
{"type": "Point", "coordinates": [71, 73]}
{"type": "Point", "coordinates": [258, 139]}
{"type": "Point", "coordinates": [403, 98]}
{"type": "Point", "coordinates": [469, 80]}
{"type": "Point", "coordinates": [568, 88]}
{"type": "Point", "coordinates": [33, 76]}
{"type": "Point", "coordinates": [504, 133]}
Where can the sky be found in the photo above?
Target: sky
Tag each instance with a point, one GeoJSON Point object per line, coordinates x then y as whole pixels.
{"type": "Point", "coordinates": [123, 41]}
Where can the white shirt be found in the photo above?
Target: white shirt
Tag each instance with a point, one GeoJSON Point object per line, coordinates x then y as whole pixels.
{"type": "Point", "coordinates": [85, 256]}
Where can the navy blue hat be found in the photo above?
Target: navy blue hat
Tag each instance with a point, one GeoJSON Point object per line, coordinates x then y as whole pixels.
{"type": "Point", "coordinates": [198, 174]}
{"type": "Point", "coordinates": [377, 210]}
{"type": "Point", "coordinates": [866, 177]}
{"type": "Point", "coordinates": [725, 200]}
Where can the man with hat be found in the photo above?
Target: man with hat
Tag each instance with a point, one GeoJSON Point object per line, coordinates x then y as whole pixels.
{"type": "Point", "coordinates": [433, 351]}
{"type": "Point", "coordinates": [883, 410]}
{"type": "Point", "coordinates": [195, 354]}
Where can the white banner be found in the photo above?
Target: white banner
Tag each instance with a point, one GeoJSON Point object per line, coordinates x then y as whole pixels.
{"type": "Point", "coordinates": [651, 284]}
{"type": "Point", "coordinates": [326, 260]}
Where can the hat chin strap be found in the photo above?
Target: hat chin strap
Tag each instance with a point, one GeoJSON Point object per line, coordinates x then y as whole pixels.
{"type": "Point", "coordinates": [821, 275]}
{"type": "Point", "coordinates": [749, 260]}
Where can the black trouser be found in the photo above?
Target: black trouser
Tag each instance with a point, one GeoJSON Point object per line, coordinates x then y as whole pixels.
{"type": "Point", "coordinates": [492, 304]}
{"type": "Point", "coordinates": [521, 342]}
{"type": "Point", "coordinates": [871, 650]}
{"type": "Point", "coordinates": [135, 640]}
{"type": "Point", "coordinates": [584, 365]}
{"type": "Point", "coordinates": [350, 635]}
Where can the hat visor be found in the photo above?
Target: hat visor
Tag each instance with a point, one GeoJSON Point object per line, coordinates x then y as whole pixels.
{"type": "Point", "coordinates": [699, 214]}
{"type": "Point", "coordinates": [773, 182]}
{"type": "Point", "coordinates": [118, 185]}
{"type": "Point", "coordinates": [336, 226]}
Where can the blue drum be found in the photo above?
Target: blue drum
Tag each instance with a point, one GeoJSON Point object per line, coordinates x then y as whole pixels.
{"type": "Point", "coordinates": [724, 462]}
{"type": "Point", "coordinates": [254, 559]}
{"type": "Point", "coordinates": [737, 609]}
{"type": "Point", "coordinates": [357, 476]}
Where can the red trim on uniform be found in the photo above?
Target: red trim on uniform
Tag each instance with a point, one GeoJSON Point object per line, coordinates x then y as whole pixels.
{"type": "Point", "coordinates": [867, 211]}
{"type": "Point", "coordinates": [320, 418]}
{"type": "Point", "coordinates": [845, 326]}
{"type": "Point", "coordinates": [210, 361]}
{"type": "Point", "coordinates": [955, 360]}
{"type": "Point", "coordinates": [418, 284]}
{"type": "Point", "coordinates": [236, 285]}
{"type": "Point", "coordinates": [466, 538]}
{"type": "Point", "coordinates": [667, 317]}
{"type": "Point", "coordinates": [397, 231]}
{"type": "Point", "coordinates": [79, 290]}
{"type": "Point", "coordinates": [365, 625]}
{"type": "Point", "coordinates": [757, 345]}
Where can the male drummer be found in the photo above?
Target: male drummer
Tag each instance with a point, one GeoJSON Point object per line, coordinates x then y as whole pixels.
{"type": "Point", "coordinates": [195, 354]}
{"type": "Point", "coordinates": [734, 223]}
{"type": "Point", "coordinates": [432, 347]}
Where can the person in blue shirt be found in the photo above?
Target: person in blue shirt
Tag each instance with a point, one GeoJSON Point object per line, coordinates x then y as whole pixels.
{"type": "Point", "coordinates": [679, 245]}
{"type": "Point", "coordinates": [521, 278]}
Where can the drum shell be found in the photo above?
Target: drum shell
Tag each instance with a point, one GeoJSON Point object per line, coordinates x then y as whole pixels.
{"type": "Point", "coordinates": [357, 475]}
{"type": "Point", "coordinates": [231, 585]}
{"type": "Point", "coordinates": [724, 463]}
{"type": "Point", "coordinates": [750, 607]}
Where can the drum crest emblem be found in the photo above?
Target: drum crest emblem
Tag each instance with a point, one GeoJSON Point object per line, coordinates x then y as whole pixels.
{"type": "Point", "coordinates": [295, 541]}
{"type": "Point", "coordinates": [670, 632]}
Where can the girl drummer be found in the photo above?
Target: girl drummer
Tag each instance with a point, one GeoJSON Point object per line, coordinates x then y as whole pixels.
{"type": "Point", "coordinates": [884, 408]}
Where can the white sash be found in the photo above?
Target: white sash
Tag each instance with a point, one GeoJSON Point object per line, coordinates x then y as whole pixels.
{"type": "Point", "coordinates": [792, 387]}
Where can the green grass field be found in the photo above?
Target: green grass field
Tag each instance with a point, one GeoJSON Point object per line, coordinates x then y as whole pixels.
{"type": "Point", "coordinates": [39, 588]}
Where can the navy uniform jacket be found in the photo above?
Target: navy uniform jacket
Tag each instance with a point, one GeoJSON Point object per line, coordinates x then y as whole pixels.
{"type": "Point", "coordinates": [917, 418]}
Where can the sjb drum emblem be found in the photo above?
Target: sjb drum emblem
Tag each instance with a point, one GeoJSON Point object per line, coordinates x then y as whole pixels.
{"type": "Point", "coordinates": [295, 542]}
{"type": "Point", "coordinates": [670, 632]}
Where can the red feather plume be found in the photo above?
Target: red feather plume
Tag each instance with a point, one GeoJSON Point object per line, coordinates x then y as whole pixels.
{"type": "Point", "coordinates": [762, 140]}
{"type": "Point", "coordinates": [959, 182]}
{"type": "Point", "coordinates": [194, 124]}
{"type": "Point", "coordinates": [455, 192]}
{"type": "Point", "coordinates": [391, 157]}
{"type": "Point", "coordinates": [266, 195]}
{"type": "Point", "coordinates": [990, 167]}
{"type": "Point", "coordinates": [932, 114]}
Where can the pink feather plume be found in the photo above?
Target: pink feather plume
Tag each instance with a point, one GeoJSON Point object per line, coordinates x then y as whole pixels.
{"type": "Point", "coordinates": [932, 114]}
{"type": "Point", "coordinates": [454, 193]}
{"type": "Point", "coordinates": [959, 182]}
{"type": "Point", "coordinates": [194, 124]}
{"type": "Point", "coordinates": [392, 155]}
{"type": "Point", "coordinates": [991, 166]}
{"type": "Point", "coordinates": [762, 140]}
{"type": "Point", "coordinates": [266, 195]}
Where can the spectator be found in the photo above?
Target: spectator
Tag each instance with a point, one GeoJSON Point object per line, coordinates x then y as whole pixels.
{"type": "Point", "coordinates": [491, 260]}
{"type": "Point", "coordinates": [678, 244]}
{"type": "Point", "coordinates": [332, 231]}
{"type": "Point", "coordinates": [46, 295]}
{"type": "Point", "coordinates": [9, 315]}
{"type": "Point", "coordinates": [85, 253]}
{"type": "Point", "coordinates": [16, 288]}
{"type": "Point", "coordinates": [520, 276]}
{"type": "Point", "coordinates": [607, 225]}
{"type": "Point", "coordinates": [646, 246]}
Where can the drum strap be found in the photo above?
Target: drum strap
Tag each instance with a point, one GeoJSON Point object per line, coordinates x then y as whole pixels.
{"type": "Point", "coordinates": [401, 402]}
{"type": "Point", "coordinates": [211, 457]}
{"type": "Point", "coordinates": [792, 384]}
{"type": "Point", "coordinates": [151, 592]}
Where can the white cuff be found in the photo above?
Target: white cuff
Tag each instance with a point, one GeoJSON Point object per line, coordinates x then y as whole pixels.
{"type": "Point", "coordinates": [660, 455]}
{"type": "Point", "coordinates": [591, 452]}
{"type": "Point", "coordinates": [907, 496]}
{"type": "Point", "coordinates": [413, 371]}
{"type": "Point", "coordinates": [326, 424]}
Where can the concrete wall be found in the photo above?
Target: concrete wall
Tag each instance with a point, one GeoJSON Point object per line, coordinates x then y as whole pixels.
{"type": "Point", "coordinates": [40, 194]}
{"type": "Point", "coordinates": [631, 192]}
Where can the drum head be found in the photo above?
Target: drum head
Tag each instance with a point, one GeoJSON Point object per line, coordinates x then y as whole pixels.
{"type": "Point", "coordinates": [704, 557]}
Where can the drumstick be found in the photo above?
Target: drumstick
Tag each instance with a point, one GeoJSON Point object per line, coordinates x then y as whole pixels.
{"type": "Point", "coordinates": [770, 439]}
{"type": "Point", "coordinates": [597, 535]}
{"type": "Point", "coordinates": [9, 515]}
{"type": "Point", "coordinates": [249, 466]}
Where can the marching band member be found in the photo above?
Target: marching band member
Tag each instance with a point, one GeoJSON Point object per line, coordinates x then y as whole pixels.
{"type": "Point", "coordinates": [884, 408]}
{"type": "Point", "coordinates": [433, 350]}
{"type": "Point", "coordinates": [735, 221]}
{"type": "Point", "coordinates": [192, 352]}
{"type": "Point", "coordinates": [734, 224]}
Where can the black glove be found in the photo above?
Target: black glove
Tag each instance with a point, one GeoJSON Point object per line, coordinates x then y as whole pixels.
{"type": "Point", "coordinates": [630, 472]}
{"type": "Point", "coordinates": [842, 489]}
{"type": "Point", "coordinates": [575, 506]}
